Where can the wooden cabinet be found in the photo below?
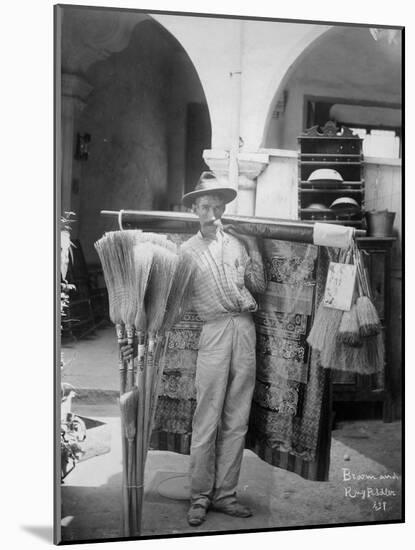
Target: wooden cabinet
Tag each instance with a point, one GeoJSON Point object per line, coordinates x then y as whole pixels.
{"type": "Point", "coordinates": [332, 150]}
{"type": "Point", "coordinates": [355, 388]}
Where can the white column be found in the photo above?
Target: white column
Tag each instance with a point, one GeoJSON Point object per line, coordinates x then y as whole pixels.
{"type": "Point", "coordinates": [250, 167]}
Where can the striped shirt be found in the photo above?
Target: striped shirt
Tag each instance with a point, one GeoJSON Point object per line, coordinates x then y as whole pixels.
{"type": "Point", "coordinates": [223, 272]}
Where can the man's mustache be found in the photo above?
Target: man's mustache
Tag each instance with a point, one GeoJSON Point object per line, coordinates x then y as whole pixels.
{"type": "Point", "coordinates": [213, 223]}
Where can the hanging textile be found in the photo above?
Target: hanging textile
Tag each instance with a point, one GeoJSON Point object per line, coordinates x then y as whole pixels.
{"type": "Point", "coordinates": [290, 417]}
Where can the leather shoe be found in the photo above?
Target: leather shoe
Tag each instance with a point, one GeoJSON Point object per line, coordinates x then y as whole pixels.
{"type": "Point", "coordinates": [196, 514]}
{"type": "Point", "coordinates": [233, 509]}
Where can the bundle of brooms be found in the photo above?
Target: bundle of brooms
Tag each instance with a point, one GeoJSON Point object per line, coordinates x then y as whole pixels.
{"type": "Point", "coordinates": [148, 283]}
{"type": "Point", "coordinates": [350, 341]}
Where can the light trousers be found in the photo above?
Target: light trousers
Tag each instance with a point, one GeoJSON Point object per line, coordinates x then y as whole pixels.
{"type": "Point", "coordinates": [225, 380]}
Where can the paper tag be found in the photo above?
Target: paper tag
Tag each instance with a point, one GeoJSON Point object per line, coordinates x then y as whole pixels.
{"type": "Point", "coordinates": [340, 285]}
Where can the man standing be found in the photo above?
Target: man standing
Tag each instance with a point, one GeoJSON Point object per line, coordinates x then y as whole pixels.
{"type": "Point", "coordinates": [229, 266]}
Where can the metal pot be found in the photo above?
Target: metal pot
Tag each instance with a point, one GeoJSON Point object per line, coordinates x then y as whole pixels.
{"type": "Point", "coordinates": [380, 223]}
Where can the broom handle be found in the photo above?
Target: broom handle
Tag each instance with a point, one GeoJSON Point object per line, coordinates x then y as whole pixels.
{"type": "Point", "coordinates": [130, 365]}
{"type": "Point", "coordinates": [362, 271]}
{"type": "Point", "coordinates": [125, 519]}
{"type": "Point", "coordinates": [149, 383]}
{"type": "Point", "coordinates": [141, 352]}
{"type": "Point", "coordinates": [151, 386]}
{"type": "Point", "coordinates": [125, 526]}
{"type": "Point", "coordinates": [120, 331]}
{"type": "Point", "coordinates": [139, 464]}
{"type": "Point", "coordinates": [132, 488]}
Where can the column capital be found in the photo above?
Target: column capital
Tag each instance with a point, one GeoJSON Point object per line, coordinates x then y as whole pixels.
{"type": "Point", "coordinates": [252, 164]}
{"type": "Point", "coordinates": [218, 161]}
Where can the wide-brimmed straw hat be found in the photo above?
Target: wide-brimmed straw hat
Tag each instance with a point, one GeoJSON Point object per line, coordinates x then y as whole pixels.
{"type": "Point", "coordinates": [208, 185]}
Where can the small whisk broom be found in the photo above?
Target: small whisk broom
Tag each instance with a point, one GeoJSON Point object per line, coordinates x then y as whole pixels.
{"type": "Point", "coordinates": [349, 330]}
{"type": "Point", "coordinates": [323, 333]}
{"type": "Point", "coordinates": [367, 315]}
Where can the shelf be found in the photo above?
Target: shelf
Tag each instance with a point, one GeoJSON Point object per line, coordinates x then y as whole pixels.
{"type": "Point", "coordinates": [332, 191]}
{"type": "Point", "coordinates": [333, 155]}
{"type": "Point", "coordinates": [342, 153]}
{"type": "Point", "coordinates": [328, 162]}
{"type": "Point", "coordinates": [344, 183]}
{"type": "Point", "coordinates": [332, 138]}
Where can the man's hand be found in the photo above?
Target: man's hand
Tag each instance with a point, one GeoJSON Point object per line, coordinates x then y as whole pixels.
{"type": "Point", "coordinates": [128, 351]}
{"type": "Point", "coordinates": [249, 241]}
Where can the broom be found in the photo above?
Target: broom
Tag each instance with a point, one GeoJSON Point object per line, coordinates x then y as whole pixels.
{"type": "Point", "coordinates": [177, 303]}
{"type": "Point", "coordinates": [125, 242]}
{"type": "Point", "coordinates": [112, 267]}
{"type": "Point", "coordinates": [143, 251]}
{"type": "Point", "coordinates": [367, 359]}
{"type": "Point", "coordinates": [143, 256]}
{"type": "Point", "coordinates": [323, 333]}
{"type": "Point", "coordinates": [374, 348]}
{"type": "Point", "coordinates": [113, 276]}
{"type": "Point", "coordinates": [143, 259]}
{"type": "Point", "coordinates": [367, 315]}
{"type": "Point", "coordinates": [355, 354]}
{"type": "Point", "coordinates": [161, 278]}
{"type": "Point", "coordinates": [129, 273]}
{"type": "Point", "coordinates": [349, 330]}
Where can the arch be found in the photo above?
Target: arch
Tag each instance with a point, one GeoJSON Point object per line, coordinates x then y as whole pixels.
{"type": "Point", "coordinates": [341, 62]}
{"type": "Point", "coordinates": [280, 77]}
{"type": "Point", "coordinates": [178, 33]}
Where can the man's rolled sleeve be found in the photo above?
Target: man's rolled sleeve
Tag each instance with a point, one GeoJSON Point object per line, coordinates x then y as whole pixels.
{"type": "Point", "coordinates": [255, 279]}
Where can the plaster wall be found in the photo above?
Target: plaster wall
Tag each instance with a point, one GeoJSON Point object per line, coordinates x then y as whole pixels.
{"type": "Point", "coordinates": [261, 50]}
{"type": "Point", "coordinates": [136, 115]}
{"type": "Point", "coordinates": [126, 116]}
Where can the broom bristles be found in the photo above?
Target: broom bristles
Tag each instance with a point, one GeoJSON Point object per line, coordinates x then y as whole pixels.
{"type": "Point", "coordinates": [366, 359]}
{"type": "Point", "coordinates": [375, 353]}
{"type": "Point", "coordinates": [325, 326]}
{"type": "Point", "coordinates": [158, 239]}
{"type": "Point", "coordinates": [111, 270]}
{"type": "Point", "coordinates": [349, 328]}
{"type": "Point", "coordinates": [180, 292]}
{"type": "Point", "coordinates": [367, 316]}
{"type": "Point", "coordinates": [143, 259]}
{"type": "Point", "coordinates": [160, 281]}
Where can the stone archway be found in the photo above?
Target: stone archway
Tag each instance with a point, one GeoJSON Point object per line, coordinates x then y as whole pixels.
{"type": "Point", "coordinates": [283, 73]}
{"type": "Point", "coordinates": [141, 94]}
{"type": "Point", "coordinates": [344, 62]}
